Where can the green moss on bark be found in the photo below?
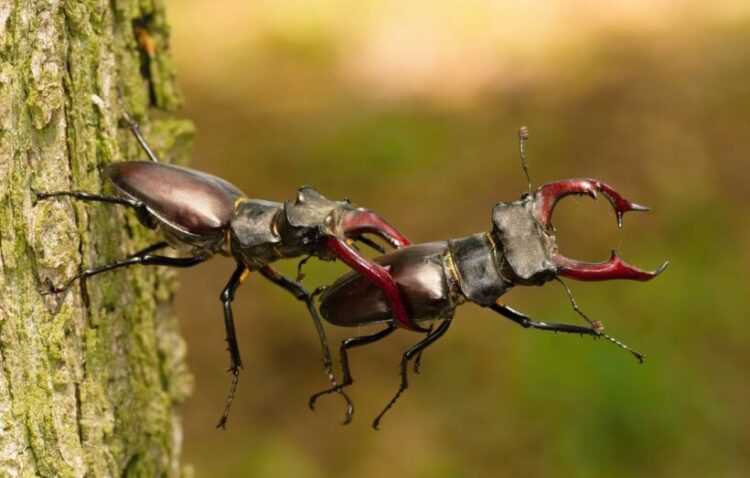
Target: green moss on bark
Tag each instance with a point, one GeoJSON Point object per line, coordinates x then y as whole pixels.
{"type": "Point", "coordinates": [89, 382]}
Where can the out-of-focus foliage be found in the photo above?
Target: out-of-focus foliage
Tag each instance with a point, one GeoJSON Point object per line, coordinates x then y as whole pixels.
{"type": "Point", "coordinates": [412, 110]}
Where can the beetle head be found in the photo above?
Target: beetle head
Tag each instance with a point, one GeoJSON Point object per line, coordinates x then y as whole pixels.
{"type": "Point", "coordinates": [312, 216]}
{"type": "Point", "coordinates": [524, 229]}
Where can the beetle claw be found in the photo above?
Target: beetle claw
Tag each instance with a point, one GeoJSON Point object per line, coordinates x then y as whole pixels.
{"type": "Point", "coordinates": [348, 414]}
{"type": "Point", "coordinates": [356, 222]}
{"type": "Point", "coordinates": [546, 198]}
{"type": "Point", "coordinates": [614, 268]}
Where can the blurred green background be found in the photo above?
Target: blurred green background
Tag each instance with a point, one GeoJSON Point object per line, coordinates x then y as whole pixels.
{"type": "Point", "coordinates": [412, 109]}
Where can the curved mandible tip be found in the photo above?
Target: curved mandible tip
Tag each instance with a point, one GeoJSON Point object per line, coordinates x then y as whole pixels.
{"type": "Point", "coordinates": [614, 268]}
{"type": "Point", "coordinates": [356, 222]}
{"type": "Point", "coordinates": [547, 196]}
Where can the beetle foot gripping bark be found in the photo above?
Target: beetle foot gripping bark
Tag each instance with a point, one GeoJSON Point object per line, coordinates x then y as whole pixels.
{"type": "Point", "coordinates": [546, 198]}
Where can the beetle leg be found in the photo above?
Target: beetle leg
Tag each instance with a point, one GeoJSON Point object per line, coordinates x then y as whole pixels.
{"type": "Point", "coordinates": [144, 216]}
{"type": "Point", "coordinates": [136, 130]}
{"type": "Point", "coordinates": [526, 322]}
{"type": "Point", "coordinates": [347, 379]}
{"type": "Point", "coordinates": [300, 293]}
{"type": "Point", "coordinates": [143, 257]}
{"type": "Point", "coordinates": [148, 249]}
{"type": "Point", "coordinates": [379, 276]}
{"type": "Point", "coordinates": [408, 355]}
{"type": "Point", "coordinates": [418, 358]}
{"type": "Point", "coordinates": [84, 196]}
{"type": "Point", "coordinates": [235, 361]}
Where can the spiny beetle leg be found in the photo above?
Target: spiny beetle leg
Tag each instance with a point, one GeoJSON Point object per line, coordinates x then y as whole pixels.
{"type": "Point", "coordinates": [526, 322]}
{"type": "Point", "coordinates": [299, 292]}
{"type": "Point", "coordinates": [408, 355]}
{"type": "Point", "coordinates": [144, 216]}
{"type": "Point", "coordinates": [347, 380]}
{"type": "Point", "coordinates": [235, 361]}
{"type": "Point", "coordinates": [142, 257]}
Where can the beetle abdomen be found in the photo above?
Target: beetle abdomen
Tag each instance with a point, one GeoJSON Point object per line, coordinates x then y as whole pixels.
{"type": "Point", "coordinates": [190, 201]}
{"type": "Point", "coordinates": [420, 274]}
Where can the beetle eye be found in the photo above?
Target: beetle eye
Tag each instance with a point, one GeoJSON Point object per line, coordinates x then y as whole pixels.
{"type": "Point", "coordinates": [310, 236]}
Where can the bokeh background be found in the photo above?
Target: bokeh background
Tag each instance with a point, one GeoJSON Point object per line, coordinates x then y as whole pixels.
{"type": "Point", "coordinates": [412, 109]}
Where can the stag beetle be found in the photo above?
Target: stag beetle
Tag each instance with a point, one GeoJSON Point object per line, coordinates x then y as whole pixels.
{"type": "Point", "coordinates": [207, 215]}
{"type": "Point", "coordinates": [436, 277]}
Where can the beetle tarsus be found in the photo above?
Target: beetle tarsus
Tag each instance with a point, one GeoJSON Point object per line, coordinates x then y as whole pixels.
{"type": "Point", "coordinates": [235, 371]}
{"type": "Point", "coordinates": [408, 356]}
{"type": "Point", "coordinates": [347, 379]}
{"type": "Point", "coordinates": [235, 361]}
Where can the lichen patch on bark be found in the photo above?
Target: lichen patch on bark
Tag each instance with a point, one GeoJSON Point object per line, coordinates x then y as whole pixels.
{"type": "Point", "coordinates": [90, 381]}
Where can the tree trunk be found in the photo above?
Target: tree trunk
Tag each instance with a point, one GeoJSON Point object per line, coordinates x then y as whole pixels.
{"type": "Point", "coordinates": [91, 380]}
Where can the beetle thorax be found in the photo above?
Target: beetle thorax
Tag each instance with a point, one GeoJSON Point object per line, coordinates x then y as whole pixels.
{"type": "Point", "coordinates": [253, 234]}
{"type": "Point", "coordinates": [526, 247]}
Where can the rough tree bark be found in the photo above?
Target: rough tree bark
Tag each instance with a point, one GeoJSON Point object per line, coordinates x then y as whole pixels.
{"type": "Point", "coordinates": [90, 382]}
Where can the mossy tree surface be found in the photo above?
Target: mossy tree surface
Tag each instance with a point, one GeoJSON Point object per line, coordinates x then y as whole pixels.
{"type": "Point", "coordinates": [90, 381]}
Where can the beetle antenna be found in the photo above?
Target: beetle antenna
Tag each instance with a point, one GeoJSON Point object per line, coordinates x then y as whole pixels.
{"type": "Point", "coordinates": [523, 136]}
{"type": "Point", "coordinates": [300, 274]}
{"type": "Point", "coordinates": [597, 325]}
